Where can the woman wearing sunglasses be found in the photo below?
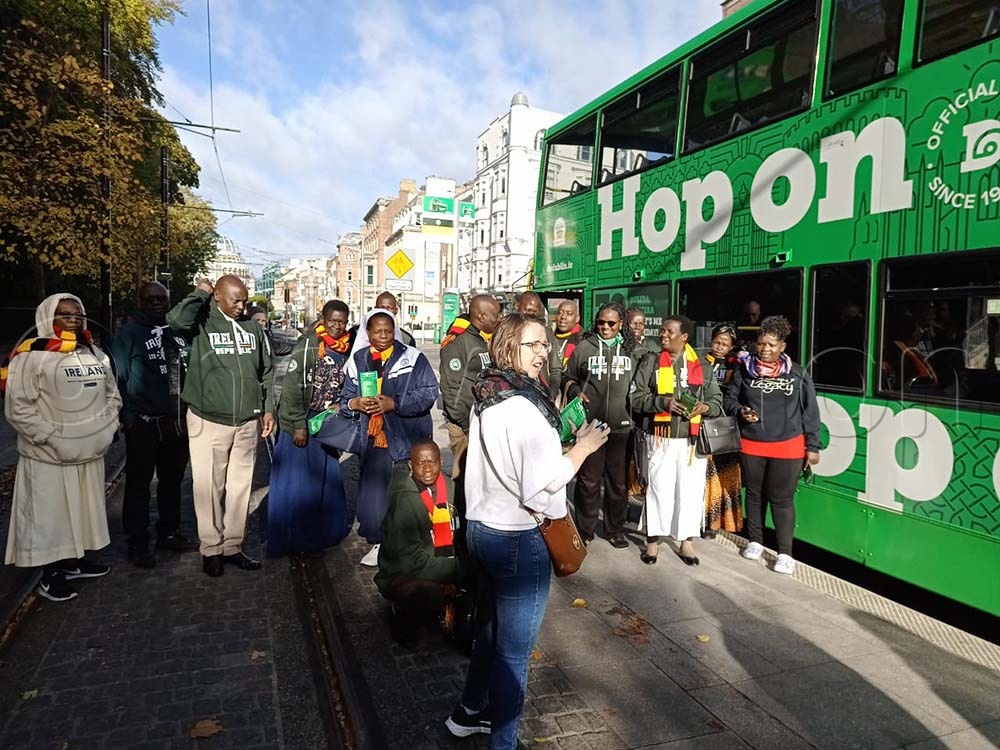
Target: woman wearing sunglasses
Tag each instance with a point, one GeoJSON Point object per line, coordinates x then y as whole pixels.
{"type": "Point", "coordinates": [600, 372]}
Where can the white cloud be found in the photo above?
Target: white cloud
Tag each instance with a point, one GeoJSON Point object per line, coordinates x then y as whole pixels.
{"type": "Point", "coordinates": [422, 84]}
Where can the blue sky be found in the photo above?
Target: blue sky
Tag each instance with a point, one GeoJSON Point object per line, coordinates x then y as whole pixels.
{"type": "Point", "coordinates": [337, 101]}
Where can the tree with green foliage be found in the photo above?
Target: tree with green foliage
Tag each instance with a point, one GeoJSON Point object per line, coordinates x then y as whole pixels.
{"type": "Point", "coordinates": [63, 129]}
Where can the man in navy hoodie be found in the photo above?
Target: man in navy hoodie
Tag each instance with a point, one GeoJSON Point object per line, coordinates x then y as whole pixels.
{"type": "Point", "coordinates": [148, 361]}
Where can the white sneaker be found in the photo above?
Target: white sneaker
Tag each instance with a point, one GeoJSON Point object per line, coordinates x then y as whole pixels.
{"type": "Point", "coordinates": [753, 551]}
{"type": "Point", "coordinates": [371, 558]}
{"type": "Point", "coordinates": [784, 564]}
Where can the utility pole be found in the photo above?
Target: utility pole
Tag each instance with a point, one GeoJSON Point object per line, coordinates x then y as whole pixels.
{"type": "Point", "coordinates": [162, 271]}
{"type": "Point", "coordinates": [105, 321]}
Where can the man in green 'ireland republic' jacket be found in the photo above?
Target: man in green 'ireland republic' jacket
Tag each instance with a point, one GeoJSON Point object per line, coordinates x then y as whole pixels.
{"type": "Point", "coordinates": [229, 395]}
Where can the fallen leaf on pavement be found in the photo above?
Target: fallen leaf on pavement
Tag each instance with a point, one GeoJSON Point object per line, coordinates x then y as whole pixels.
{"type": "Point", "coordinates": [257, 655]}
{"type": "Point", "coordinates": [634, 626]}
{"type": "Point", "coordinates": [703, 638]}
{"type": "Point", "coordinates": [537, 655]}
{"type": "Point", "coordinates": [206, 728]}
{"type": "Point", "coordinates": [579, 602]}
{"type": "Point", "coordinates": [29, 694]}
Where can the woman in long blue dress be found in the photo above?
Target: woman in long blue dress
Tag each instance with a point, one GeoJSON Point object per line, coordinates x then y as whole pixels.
{"type": "Point", "coordinates": [307, 509]}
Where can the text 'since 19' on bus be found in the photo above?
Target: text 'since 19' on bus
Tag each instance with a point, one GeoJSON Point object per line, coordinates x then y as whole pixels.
{"type": "Point", "coordinates": [839, 164]}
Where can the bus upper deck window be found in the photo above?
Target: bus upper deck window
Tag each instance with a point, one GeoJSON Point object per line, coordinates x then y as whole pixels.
{"type": "Point", "coordinates": [948, 26]}
{"type": "Point", "coordinates": [865, 43]}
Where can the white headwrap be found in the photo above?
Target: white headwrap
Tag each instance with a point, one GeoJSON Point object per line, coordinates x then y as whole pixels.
{"type": "Point", "coordinates": [45, 314]}
{"type": "Point", "coordinates": [361, 341]}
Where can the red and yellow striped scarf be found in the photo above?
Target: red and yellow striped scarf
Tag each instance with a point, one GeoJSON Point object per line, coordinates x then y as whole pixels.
{"type": "Point", "coordinates": [341, 344]}
{"type": "Point", "coordinates": [458, 328]}
{"type": "Point", "coordinates": [440, 515]}
{"type": "Point", "coordinates": [570, 345]}
{"type": "Point", "coordinates": [376, 422]}
{"type": "Point", "coordinates": [665, 380]}
{"type": "Point", "coordinates": [65, 341]}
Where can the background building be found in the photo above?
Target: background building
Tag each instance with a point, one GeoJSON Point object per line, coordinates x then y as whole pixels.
{"type": "Point", "coordinates": [348, 276]}
{"type": "Point", "coordinates": [301, 292]}
{"type": "Point", "coordinates": [731, 6]}
{"type": "Point", "coordinates": [265, 284]}
{"type": "Point", "coordinates": [229, 261]}
{"type": "Point", "coordinates": [375, 231]}
{"type": "Point", "coordinates": [508, 159]}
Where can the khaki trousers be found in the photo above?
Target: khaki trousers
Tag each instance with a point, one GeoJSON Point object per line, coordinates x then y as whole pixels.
{"type": "Point", "coordinates": [459, 440]}
{"type": "Point", "coordinates": [222, 461]}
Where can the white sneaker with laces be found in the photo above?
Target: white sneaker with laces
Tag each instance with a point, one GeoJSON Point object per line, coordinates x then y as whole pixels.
{"type": "Point", "coordinates": [784, 564]}
{"type": "Point", "coordinates": [753, 551]}
{"type": "Point", "coordinates": [371, 558]}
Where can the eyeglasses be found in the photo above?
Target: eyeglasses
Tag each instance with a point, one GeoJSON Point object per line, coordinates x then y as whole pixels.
{"type": "Point", "coordinates": [607, 323]}
{"type": "Point", "coordinates": [539, 346]}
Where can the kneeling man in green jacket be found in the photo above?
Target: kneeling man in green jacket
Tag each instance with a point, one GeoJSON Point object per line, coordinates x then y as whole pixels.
{"type": "Point", "coordinates": [417, 568]}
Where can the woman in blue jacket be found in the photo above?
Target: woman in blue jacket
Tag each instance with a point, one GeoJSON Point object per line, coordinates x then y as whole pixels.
{"type": "Point", "coordinates": [398, 415]}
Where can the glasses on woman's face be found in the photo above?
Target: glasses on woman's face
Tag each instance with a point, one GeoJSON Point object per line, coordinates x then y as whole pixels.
{"type": "Point", "coordinates": [602, 323]}
{"type": "Point", "coordinates": [539, 347]}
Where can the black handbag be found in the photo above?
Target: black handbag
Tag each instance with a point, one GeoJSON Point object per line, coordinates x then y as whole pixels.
{"type": "Point", "coordinates": [719, 435]}
{"type": "Point", "coordinates": [347, 434]}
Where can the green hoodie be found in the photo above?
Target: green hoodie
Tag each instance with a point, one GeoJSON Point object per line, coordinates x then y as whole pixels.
{"type": "Point", "coordinates": [604, 374]}
{"type": "Point", "coordinates": [229, 375]}
{"type": "Point", "coordinates": [407, 551]}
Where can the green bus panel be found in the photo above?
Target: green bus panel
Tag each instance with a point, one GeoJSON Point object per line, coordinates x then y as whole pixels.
{"type": "Point", "coordinates": [905, 168]}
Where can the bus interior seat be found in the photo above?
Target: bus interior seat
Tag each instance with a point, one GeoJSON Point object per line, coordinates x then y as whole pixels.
{"type": "Point", "coordinates": [992, 25]}
{"type": "Point", "coordinates": [577, 187]}
{"type": "Point", "coordinates": [884, 65]}
{"type": "Point", "coordinates": [606, 174]}
{"type": "Point", "coordinates": [640, 162]}
{"type": "Point", "coordinates": [738, 123]}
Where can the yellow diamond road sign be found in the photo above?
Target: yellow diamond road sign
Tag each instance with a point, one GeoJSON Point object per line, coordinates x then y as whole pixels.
{"type": "Point", "coordinates": [400, 264]}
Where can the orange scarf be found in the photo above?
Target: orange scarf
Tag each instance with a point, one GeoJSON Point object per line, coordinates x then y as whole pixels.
{"type": "Point", "coordinates": [437, 511]}
{"type": "Point", "coordinates": [376, 422]}
{"type": "Point", "coordinates": [341, 344]}
{"type": "Point", "coordinates": [64, 341]}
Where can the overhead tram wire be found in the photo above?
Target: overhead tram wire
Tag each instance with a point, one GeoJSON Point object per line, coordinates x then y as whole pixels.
{"type": "Point", "coordinates": [211, 102]}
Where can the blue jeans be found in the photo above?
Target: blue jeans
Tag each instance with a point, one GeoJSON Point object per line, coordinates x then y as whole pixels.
{"type": "Point", "coordinates": [518, 566]}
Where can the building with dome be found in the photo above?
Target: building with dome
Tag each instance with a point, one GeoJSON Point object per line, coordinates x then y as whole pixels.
{"type": "Point", "coordinates": [508, 158]}
{"type": "Point", "coordinates": [228, 260]}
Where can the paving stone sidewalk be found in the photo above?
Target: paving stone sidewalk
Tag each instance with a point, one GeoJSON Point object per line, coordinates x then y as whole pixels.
{"type": "Point", "coordinates": [140, 657]}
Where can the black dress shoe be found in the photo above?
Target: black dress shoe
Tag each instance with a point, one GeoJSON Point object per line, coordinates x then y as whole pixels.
{"type": "Point", "coordinates": [647, 558]}
{"type": "Point", "coordinates": [241, 561]}
{"type": "Point", "coordinates": [175, 542]}
{"type": "Point", "coordinates": [618, 541]}
{"type": "Point", "coordinates": [140, 556]}
{"type": "Point", "coordinates": [212, 565]}
{"type": "Point", "coordinates": [689, 560]}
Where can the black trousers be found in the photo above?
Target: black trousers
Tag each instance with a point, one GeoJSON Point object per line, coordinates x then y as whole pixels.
{"type": "Point", "coordinates": [153, 447]}
{"type": "Point", "coordinates": [608, 467]}
{"type": "Point", "coordinates": [771, 481]}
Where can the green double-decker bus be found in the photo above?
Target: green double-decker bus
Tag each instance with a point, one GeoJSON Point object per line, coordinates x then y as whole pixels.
{"type": "Point", "coordinates": [838, 163]}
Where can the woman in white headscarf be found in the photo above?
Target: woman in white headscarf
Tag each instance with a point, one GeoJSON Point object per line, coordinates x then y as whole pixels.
{"type": "Point", "coordinates": [399, 413]}
{"type": "Point", "coordinates": [62, 400]}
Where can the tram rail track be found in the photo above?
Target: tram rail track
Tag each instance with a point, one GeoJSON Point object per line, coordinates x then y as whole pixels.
{"type": "Point", "coordinates": [349, 716]}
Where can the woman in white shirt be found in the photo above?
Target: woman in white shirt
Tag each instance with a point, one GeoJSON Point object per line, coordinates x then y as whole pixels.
{"type": "Point", "coordinates": [516, 471]}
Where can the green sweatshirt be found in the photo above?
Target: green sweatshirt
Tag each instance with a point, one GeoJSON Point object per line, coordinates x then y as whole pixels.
{"type": "Point", "coordinates": [604, 374]}
{"type": "Point", "coordinates": [407, 551]}
{"type": "Point", "coordinates": [297, 388]}
{"type": "Point", "coordinates": [229, 377]}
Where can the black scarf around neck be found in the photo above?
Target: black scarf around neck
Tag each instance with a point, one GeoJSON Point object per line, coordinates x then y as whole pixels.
{"type": "Point", "coordinates": [496, 385]}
